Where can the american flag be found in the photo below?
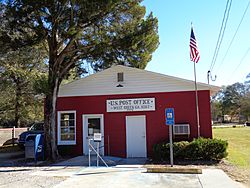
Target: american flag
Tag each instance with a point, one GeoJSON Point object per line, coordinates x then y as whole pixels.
{"type": "Point", "coordinates": [194, 52]}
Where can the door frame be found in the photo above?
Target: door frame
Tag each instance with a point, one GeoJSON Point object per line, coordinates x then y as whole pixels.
{"type": "Point", "coordinates": [145, 133]}
{"type": "Point", "coordinates": [85, 132]}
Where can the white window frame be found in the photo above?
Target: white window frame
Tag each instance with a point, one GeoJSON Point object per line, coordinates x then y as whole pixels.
{"type": "Point", "coordinates": [59, 141]}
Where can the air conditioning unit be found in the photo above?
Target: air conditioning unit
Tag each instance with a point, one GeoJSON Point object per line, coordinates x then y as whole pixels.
{"type": "Point", "coordinates": [181, 129]}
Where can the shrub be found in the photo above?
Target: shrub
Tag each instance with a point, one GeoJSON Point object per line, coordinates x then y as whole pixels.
{"type": "Point", "coordinates": [161, 151]}
{"type": "Point", "coordinates": [198, 149]}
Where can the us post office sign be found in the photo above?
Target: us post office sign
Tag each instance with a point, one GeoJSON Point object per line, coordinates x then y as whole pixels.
{"type": "Point", "coordinates": [130, 105]}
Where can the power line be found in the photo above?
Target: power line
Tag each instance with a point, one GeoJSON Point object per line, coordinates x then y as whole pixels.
{"type": "Point", "coordinates": [242, 59]}
{"type": "Point", "coordinates": [221, 33]}
{"type": "Point", "coordinates": [234, 35]}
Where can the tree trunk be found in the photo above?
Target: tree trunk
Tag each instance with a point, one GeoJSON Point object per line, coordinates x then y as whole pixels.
{"type": "Point", "coordinates": [17, 103]}
{"type": "Point", "coordinates": [50, 117]}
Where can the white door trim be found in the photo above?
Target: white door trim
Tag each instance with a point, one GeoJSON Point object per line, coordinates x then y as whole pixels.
{"type": "Point", "coordinates": [145, 133]}
{"type": "Point", "coordinates": [84, 131]}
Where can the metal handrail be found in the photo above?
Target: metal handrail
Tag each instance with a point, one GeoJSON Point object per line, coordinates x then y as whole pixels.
{"type": "Point", "coordinates": [97, 153]}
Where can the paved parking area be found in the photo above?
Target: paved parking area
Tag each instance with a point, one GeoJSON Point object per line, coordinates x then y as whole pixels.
{"type": "Point", "coordinates": [21, 177]}
{"type": "Point", "coordinates": [135, 176]}
{"type": "Point", "coordinates": [128, 178]}
{"type": "Point", "coordinates": [128, 173]}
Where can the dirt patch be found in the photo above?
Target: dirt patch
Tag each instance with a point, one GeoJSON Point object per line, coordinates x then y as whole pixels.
{"type": "Point", "coordinates": [238, 174]}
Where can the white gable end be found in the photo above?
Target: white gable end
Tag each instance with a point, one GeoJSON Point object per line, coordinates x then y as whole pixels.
{"type": "Point", "coordinates": [135, 81]}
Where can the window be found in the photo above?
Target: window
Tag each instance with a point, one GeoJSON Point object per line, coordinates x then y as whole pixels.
{"type": "Point", "coordinates": [66, 128]}
{"type": "Point", "coordinates": [37, 127]}
{"type": "Point", "coordinates": [94, 126]}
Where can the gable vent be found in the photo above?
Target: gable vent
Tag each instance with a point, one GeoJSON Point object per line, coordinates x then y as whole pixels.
{"type": "Point", "coordinates": [120, 77]}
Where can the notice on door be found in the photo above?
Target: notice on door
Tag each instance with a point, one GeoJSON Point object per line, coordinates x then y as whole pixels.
{"type": "Point", "coordinates": [130, 105]}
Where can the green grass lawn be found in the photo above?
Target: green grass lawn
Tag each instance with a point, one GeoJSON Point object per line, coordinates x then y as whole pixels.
{"type": "Point", "coordinates": [239, 144]}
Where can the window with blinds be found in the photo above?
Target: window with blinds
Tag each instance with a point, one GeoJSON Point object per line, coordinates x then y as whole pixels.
{"type": "Point", "coordinates": [67, 127]}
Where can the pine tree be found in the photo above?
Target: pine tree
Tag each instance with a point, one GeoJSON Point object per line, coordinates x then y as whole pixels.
{"type": "Point", "coordinates": [99, 32]}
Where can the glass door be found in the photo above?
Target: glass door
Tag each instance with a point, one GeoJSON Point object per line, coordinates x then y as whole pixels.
{"type": "Point", "coordinates": [92, 124]}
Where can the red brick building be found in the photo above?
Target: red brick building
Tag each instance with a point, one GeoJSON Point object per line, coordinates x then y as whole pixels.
{"type": "Point", "coordinates": [127, 106]}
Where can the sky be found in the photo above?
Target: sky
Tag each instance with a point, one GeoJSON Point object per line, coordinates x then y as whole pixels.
{"type": "Point", "coordinates": [174, 20]}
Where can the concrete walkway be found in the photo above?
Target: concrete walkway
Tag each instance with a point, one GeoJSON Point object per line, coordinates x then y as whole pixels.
{"type": "Point", "coordinates": [130, 173]}
{"type": "Point", "coordinates": [91, 177]}
{"type": "Point", "coordinates": [128, 178]}
{"type": "Point", "coordinates": [216, 178]}
{"type": "Point", "coordinates": [111, 161]}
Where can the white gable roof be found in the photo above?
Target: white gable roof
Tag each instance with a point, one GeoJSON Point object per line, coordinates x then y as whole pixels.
{"type": "Point", "coordinates": [135, 81]}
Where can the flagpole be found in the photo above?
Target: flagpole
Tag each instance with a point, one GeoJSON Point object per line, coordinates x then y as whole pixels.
{"type": "Point", "coordinates": [196, 103]}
